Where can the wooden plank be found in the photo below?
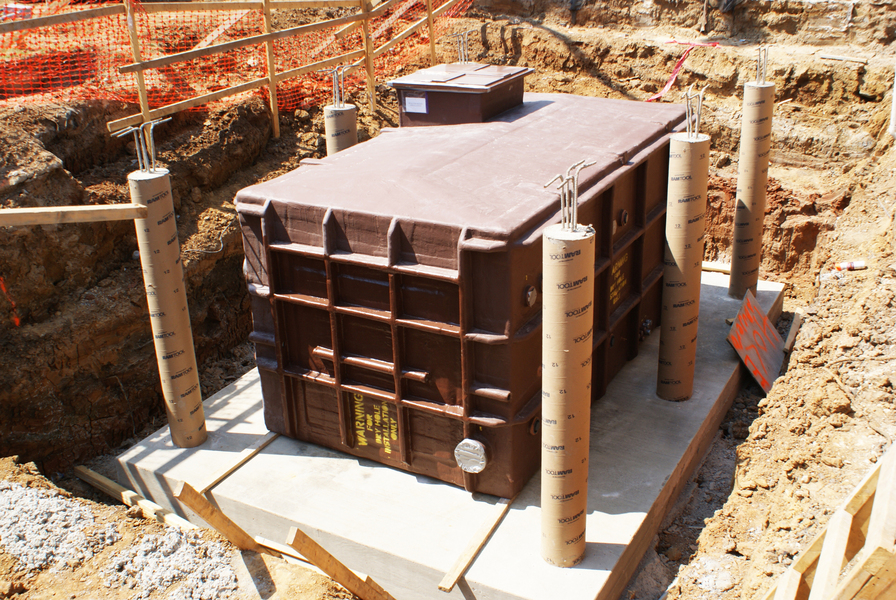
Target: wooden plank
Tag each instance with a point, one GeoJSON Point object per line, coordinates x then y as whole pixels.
{"type": "Point", "coordinates": [170, 109]}
{"type": "Point", "coordinates": [870, 564]}
{"type": "Point", "coordinates": [155, 63]}
{"type": "Point", "coordinates": [411, 29]}
{"type": "Point", "coordinates": [880, 583]}
{"type": "Point", "coordinates": [788, 585]}
{"type": "Point", "coordinates": [57, 215]}
{"type": "Point", "coordinates": [274, 548]}
{"type": "Point", "coordinates": [865, 489]}
{"type": "Point", "coordinates": [327, 563]}
{"type": "Point", "coordinates": [138, 57]}
{"type": "Point", "coordinates": [882, 526]}
{"type": "Point", "coordinates": [241, 459]}
{"type": "Point", "coordinates": [369, 54]}
{"type": "Point", "coordinates": [477, 542]}
{"type": "Point", "coordinates": [160, 7]}
{"type": "Point", "coordinates": [794, 329]}
{"type": "Point", "coordinates": [348, 29]}
{"type": "Point", "coordinates": [321, 64]}
{"type": "Point", "coordinates": [858, 505]}
{"type": "Point", "coordinates": [379, 8]}
{"type": "Point", "coordinates": [863, 61]}
{"type": "Point", "coordinates": [300, 4]}
{"type": "Point", "coordinates": [220, 29]}
{"type": "Point", "coordinates": [272, 72]}
{"type": "Point", "coordinates": [69, 17]}
{"type": "Point", "coordinates": [171, 7]}
{"type": "Point", "coordinates": [832, 556]}
{"type": "Point", "coordinates": [217, 519]}
{"type": "Point", "coordinates": [717, 267]}
{"type": "Point", "coordinates": [130, 498]}
{"type": "Point", "coordinates": [432, 32]}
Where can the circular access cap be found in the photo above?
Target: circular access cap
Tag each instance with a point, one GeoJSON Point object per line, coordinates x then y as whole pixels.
{"type": "Point", "coordinates": [470, 456]}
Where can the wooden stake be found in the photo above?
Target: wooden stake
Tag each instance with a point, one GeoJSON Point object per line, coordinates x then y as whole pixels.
{"type": "Point", "coordinates": [272, 71]}
{"type": "Point", "coordinates": [217, 519]}
{"type": "Point", "coordinates": [432, 33]}
{"type": "Point", "coordinates": [476, 544]}
{"type": "Point", "coordinates": [882, 526]}
{"type": "Point", "coordinates": [138, 58]}
{"type": "Point", "coordinates": [369, 53]}
{"type": "Point", "coordinates": [327, 563]}
{"type": "Point", "coordinates": [832, 556]}
{"type": "Point", "coordinates": [131, 498]}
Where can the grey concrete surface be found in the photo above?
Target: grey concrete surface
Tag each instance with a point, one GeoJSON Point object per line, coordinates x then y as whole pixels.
{"type": "Point", "coordinates": [407, 530]}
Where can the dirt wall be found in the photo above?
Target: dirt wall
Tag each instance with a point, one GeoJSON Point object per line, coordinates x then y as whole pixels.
{"type": "Point", "coordinates": [81, 374]}
{"type": "Point", "coordinates": [821, 23]}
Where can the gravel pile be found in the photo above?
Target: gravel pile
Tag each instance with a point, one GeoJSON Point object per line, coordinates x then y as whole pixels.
{"type": "Point", "coordinates": [159, 561]}
{"type": "Point", "coordinates": [40, 528]}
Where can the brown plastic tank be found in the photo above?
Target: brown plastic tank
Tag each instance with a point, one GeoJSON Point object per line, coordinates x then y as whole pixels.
{"type": "Point", "coordinates": [396, 285]}
{"type": "Point", "coordinates": [455, 93]}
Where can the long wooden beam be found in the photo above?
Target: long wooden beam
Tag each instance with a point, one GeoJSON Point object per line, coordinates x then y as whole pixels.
{"type": "Point", "coordinates": [321, 64]}
{"type": "Point", "coordinates": [329, 564]}
{"type": "Point", "coordinates": [217, 519]}
{"type": "Point", "coordinates": [170, 109]}
{"type": "Point", "coordinates": [249, 41]}
{"type": "Point", "coordinates": [70, 17]}
{"type": "Point", "coordinates": [477, 542]}
{"type": "Point", "coordinates": [130, 498]}
{"type": "Point", "coordinates": [56, 215]}
{"type": "Point", "coordinates": [158, 7]}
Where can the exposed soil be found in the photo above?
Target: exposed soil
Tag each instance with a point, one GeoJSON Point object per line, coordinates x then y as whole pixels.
{"type": "Point", "coordinates": [257, 575]}
{"type": "Point", "coordinates": [80, 379]}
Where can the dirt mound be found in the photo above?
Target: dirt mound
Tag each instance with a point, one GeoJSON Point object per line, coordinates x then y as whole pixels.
{"type": "Point", "coordinates": [794, 221]}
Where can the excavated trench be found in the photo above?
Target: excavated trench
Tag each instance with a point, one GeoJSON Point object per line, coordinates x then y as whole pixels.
{"type": "Point", "coordinates": [81, 377]}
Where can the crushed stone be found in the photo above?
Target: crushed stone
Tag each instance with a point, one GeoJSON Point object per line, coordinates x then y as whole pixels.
{"type": "Point", "coordinates": [160, 561]}
{"type": "Point", "coordinates": [41, 528]}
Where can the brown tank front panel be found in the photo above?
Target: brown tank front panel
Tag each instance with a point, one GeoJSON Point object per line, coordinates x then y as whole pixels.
{"type": "Point", "coordinates": [396, 287]}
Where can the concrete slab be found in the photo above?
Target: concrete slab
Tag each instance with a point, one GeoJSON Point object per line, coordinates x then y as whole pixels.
{"type": "Point", "coordinates": [407, 530]}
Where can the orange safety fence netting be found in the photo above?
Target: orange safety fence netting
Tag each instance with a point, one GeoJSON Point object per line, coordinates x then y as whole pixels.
{"type": "Point", "coordinates": [80, 60]}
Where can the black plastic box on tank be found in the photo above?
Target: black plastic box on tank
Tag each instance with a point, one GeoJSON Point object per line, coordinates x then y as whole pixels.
{"type": "Point", "coordinates": [395, 285]}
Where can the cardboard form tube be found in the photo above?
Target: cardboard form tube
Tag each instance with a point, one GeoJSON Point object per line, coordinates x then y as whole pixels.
{"type": "Point", "coordinates": [568, 332]}
{"type": "Point", "coordinates": [166, 296]}
{"type": "Point", "coordinates": [752, 179]}
{"type": "Point", "coordinates": [340, 127]}
{"type": "Point", "coordinates": [685, 226]}
{"type": "Point", "coordinates": [892, 127]}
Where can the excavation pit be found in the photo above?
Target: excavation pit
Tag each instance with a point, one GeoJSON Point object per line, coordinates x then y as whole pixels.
{"type": "Point", "coordinates": [407, 530]}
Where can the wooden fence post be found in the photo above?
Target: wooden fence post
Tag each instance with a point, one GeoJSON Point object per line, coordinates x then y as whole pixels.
{"type": "Point", "coordinates": [432, 32]}
{"type": "Point", "coordinates": [272, 71]}
{"type": "Point", "coordinates": [138, 58]}
{"type": "Point", "coordinates": [368, 57]}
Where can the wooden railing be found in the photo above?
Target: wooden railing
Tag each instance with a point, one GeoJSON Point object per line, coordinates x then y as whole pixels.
{"type": "Point", "coordinates": [861, 534]}
{"type": "Point", "coordinates": [363, 57]}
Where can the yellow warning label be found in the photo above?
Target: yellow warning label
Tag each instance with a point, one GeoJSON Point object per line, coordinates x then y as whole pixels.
{"type": "Point", "coordinates": [374, 423]}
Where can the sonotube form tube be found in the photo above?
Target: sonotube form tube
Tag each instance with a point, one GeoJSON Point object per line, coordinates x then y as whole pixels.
{"type": "Point", "coordinates": [568, 332]}
{"type": "Point", "coordinates": [166, 297]}
{"type": "Point", "coordinates": [340, 127]}
{"type": "Point", "coordinates": [891, 129]}
{"type": "Point", "coordinates": [752, 180]}
{"type": "Point", "coordinates": [685, 228]}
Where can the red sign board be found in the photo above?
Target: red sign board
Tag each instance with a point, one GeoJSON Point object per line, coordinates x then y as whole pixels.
{"type": "Point", "coordinates": [757, 342]}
